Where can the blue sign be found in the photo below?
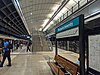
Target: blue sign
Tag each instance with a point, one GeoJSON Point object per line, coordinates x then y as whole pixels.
{"type": "Point", "coordinates": [74, 22]}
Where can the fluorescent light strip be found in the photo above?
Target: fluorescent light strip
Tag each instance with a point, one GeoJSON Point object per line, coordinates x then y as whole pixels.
{"type": "Point", "coordinates": [92, 18]}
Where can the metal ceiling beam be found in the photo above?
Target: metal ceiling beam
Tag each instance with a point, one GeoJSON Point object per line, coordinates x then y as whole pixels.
{"type": "Point", "coordinates": [8, 17]}
{"type": "Point", "coordinates": [21, 30]}
{"type": "Point", "coordinates": [9, 11]}
{"type": "Point", "coordinates": [7, 14]}
{"type": "Point", "coordinates": [5, 5]}
{"type": "Point", "coordinates": [10, 14]}
{"type": "Point", "coordinates": [10, 25]}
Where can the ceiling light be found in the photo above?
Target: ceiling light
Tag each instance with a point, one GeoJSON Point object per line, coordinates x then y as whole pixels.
{"type": "Point", "coordinates": [51, 22]}
{"type": "Point", "coordinates": [45, 21]}
{"type": "Point", "coordinates": [46, 27]}
{"type": "Point", "coordinates": [55, 7]}
{"type": "Point", "coordinates": [40, 29]}
{"type": "Point", "coordinates": [30, 13]}
{"type": "Point", "coordinates": [50, 15]}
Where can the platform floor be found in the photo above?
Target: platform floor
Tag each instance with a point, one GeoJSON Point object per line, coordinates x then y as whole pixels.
{"type": "Point", "coordinates": [27, 63]}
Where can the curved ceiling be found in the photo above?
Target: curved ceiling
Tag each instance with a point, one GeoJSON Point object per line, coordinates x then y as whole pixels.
{"type": "Point", "coordinates": [36, 11]}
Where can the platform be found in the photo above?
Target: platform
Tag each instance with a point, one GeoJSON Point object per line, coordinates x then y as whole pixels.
{"type": "Point", "coordinates": [27, 63]}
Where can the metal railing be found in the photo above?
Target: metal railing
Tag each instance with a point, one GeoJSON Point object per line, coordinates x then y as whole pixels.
{"type": "Point", "coordinates": [75, 8]}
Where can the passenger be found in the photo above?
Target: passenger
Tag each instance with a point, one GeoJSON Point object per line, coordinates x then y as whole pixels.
{"type": "Point", "coordinates": [21, 44]}
{"type": "Point", "coordinates": [78, 61]}
{"type": "Point", "coordinates": [6, 51]}
{"type": "Point", "coordinates": [0, 54]}
{"type": "Point", "coordinates": [17, 45]}
{"type": "Point", "coordinates": [0, 50]}
{"type": "Point", "coordinates": [28, 46]}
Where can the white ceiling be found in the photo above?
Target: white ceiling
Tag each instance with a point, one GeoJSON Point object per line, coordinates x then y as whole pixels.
{"type": "Point", "coordinates": [36, 11]}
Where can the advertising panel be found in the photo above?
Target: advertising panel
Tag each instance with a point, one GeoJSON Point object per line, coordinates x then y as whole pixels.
{"type": "Point", "coordinates": [94, 52]}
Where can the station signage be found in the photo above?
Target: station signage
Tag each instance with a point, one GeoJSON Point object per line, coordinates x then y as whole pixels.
{"type": "Point", "coordinates": [68, 33]}
{"type": "Point", "coordinates": [68, 25]}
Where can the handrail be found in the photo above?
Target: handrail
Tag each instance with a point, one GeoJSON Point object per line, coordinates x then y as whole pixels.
{"type": "Point", "coordinates": [74, 9]}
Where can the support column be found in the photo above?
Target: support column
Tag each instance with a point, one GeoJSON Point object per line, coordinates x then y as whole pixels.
{"type": "Point", "coordinates": [82, 45]}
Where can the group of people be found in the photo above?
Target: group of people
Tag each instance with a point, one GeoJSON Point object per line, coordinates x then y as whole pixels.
{"type": "Point", "coordinates": [5, 49]}
{"type": "Point", "coordinates": [19, 44]}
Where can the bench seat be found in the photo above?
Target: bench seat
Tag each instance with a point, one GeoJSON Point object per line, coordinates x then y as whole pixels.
{"type": "Point", "coordinates": [62, 66]}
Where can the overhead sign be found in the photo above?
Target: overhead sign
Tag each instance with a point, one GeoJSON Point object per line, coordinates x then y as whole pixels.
{"type": "Point", "coordinates": [72, 23]}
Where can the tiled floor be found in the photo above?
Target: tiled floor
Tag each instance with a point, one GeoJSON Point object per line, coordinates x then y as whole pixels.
{"type": "Point", "coordinates": [28, 65]}
{"type": "Point", "coordinates": [24, 63]}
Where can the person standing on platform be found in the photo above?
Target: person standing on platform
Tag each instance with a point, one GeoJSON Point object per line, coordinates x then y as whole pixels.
{"type": "Point", "coordinates": [1, 50]}
{"type": "Point", "coordinates": [17, 45]}
{"type": "Point", "coordinates": [28, 46]}
{"type": "Point", "coordinates": [6, 51]}
{"type": "Point", "coordinates": [78, 61]}
{"type": "Point", "coordinates": [0, 54]}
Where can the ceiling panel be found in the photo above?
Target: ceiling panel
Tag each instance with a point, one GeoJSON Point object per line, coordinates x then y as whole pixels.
{"type": "Point", "coordinates": [36, 11]}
